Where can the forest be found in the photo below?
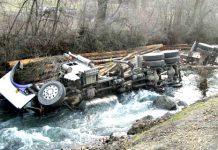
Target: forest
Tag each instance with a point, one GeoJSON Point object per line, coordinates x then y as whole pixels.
{"type": "Point", "coordinates": [33, 28]}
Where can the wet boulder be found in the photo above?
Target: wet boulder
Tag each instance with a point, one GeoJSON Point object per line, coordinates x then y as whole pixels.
{"type": "Point", "coordinates": [147, 123]}
{"type": "Point", "coordinates": [141, 125]}
{"type": "Point", "coordinates": [182, 103]}
{"type": "Point", "coordinates": [163, 102]}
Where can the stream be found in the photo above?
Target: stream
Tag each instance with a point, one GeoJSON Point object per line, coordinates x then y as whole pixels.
{"type": "Point", "coordinates": [67, 129]}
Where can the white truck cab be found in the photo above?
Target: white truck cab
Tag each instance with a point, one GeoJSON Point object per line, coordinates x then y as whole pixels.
{"type": "Point", "coordinates": [15, 93]}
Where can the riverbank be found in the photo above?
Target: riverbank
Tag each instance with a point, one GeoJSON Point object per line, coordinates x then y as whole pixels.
{"type": "Point", "coordinates": [193, 128]}
{"type": "Point", "coordinates": [196, 127]}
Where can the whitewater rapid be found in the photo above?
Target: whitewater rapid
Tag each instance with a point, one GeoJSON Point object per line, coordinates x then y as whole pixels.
{"type": "Point", "coordinates": [68, 129]}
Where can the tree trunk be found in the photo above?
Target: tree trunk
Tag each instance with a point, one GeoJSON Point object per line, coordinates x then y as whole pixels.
{"type": "Point", "coordinates": [196, 21]}
{"type": "Point", "coordinates": [101, 14]}
{"type": "Point", "coordinates": [177, 22]}
{"type": "Point", "coordinates": [56, 19]}
{"type": "Point", "coordinates": [29, 17]}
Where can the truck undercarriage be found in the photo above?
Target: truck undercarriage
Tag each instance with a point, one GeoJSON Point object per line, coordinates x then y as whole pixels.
{"type": "Point", "coordinates": [79, 80]}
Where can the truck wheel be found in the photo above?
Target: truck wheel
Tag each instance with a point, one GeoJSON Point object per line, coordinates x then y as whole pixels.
{"type": "Point", "coordinates": [171, 53]}
{"type": "Point", "coordinates": [158, 63]}
{"type": "Point", "coordinates": [153, 56]}
{"type": "Point", "coordinates": [52, 94]}
{"type": "Point", "coordinates": [172, 60]}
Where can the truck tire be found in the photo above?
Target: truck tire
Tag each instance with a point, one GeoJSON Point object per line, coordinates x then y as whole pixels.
{"type": "Point", "coordinates": [171, 53]}
{"type": "Point", "coordinates": [51, 94]}
{"type": "Point", "coordinates": [153, 56]}
{"type": "Point", "coordinates": [202, 51]}
{"type": "Point", "coordinates": [172, 60]}
{"type": "Point", "coordinates": [158, 63]}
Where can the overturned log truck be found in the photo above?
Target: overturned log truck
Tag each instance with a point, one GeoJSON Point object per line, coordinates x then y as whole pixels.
{"type": "Point", "coordinates": [79, 80]}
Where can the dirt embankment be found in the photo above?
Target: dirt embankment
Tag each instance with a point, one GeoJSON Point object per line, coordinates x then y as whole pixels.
{"type": "Point", "coordinates": [194, 128]}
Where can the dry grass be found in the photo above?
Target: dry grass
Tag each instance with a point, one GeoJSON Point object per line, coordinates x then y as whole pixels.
{"type": "Point", "coordinates": [193, 128]}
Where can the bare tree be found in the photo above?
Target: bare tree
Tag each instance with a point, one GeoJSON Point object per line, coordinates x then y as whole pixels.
{"type": "Point", "coordinates": [101, 13]}
{"type": "Point", "coordinates": [56, 17]}
{"type": "Point", "coordinates": [108, 24]}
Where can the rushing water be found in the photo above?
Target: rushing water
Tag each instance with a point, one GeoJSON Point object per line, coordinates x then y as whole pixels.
{"type": "Point", "coordinates": [67, 129]}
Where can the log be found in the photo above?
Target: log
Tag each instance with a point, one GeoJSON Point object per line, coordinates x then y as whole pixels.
{"type": "Point", "coordinates": [100, 67]}
{"type": "Point", "coordinates": [26, 61]}
{"type": "Point", "coordinates": [177, 46]}
{"type": "Point", "coordinates": [180, 48]}
{"type": "Point", "coordinates": [102, 61]}
{"type": "Point", "coordinates": [97, 54]}
{"type": "Point", "coordinates": [107, 56]}
{"type": "Point", "coordinates": [39, 69]}
{"type": "Point", "coordinates": [92, 56]}
{"type": "Point", "coordinates": [147, 49]}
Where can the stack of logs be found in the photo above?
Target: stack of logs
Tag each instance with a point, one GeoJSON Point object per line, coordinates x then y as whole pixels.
{"type": "Point", "coordinates": [44, 68]}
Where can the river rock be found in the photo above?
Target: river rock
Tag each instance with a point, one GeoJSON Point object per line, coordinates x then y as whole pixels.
{"type": "Point", "coordinates": [163, 102]}
{"type": "Point", "coordinates": [141, 125]}
{"type": "Point", "coordinates": [118, 134]}
{"type": "Point", "coordinates": [182, 103]}
{"type": "Point", "coordinates": [146, 123]}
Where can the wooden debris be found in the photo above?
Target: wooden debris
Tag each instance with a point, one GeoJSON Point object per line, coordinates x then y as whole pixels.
{"type": "Point", "coordinates": [39, 69]}
{"type": "Point", "coordinates": [26, 61]}
{"type": "Point", "coordinates": [103, 61]}
{"type": "Point", "coordinates": [177, 46]}
{"type": "Point", "coordinates": [147, 49]}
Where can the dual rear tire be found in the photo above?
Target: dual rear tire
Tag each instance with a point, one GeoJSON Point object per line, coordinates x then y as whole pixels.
{"type": "Point", "coordinates": [161, 59]}
{"type": "Point", "coordinates": [171, 57]}
{"type": "Point", "coordinates": [154, 59]}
